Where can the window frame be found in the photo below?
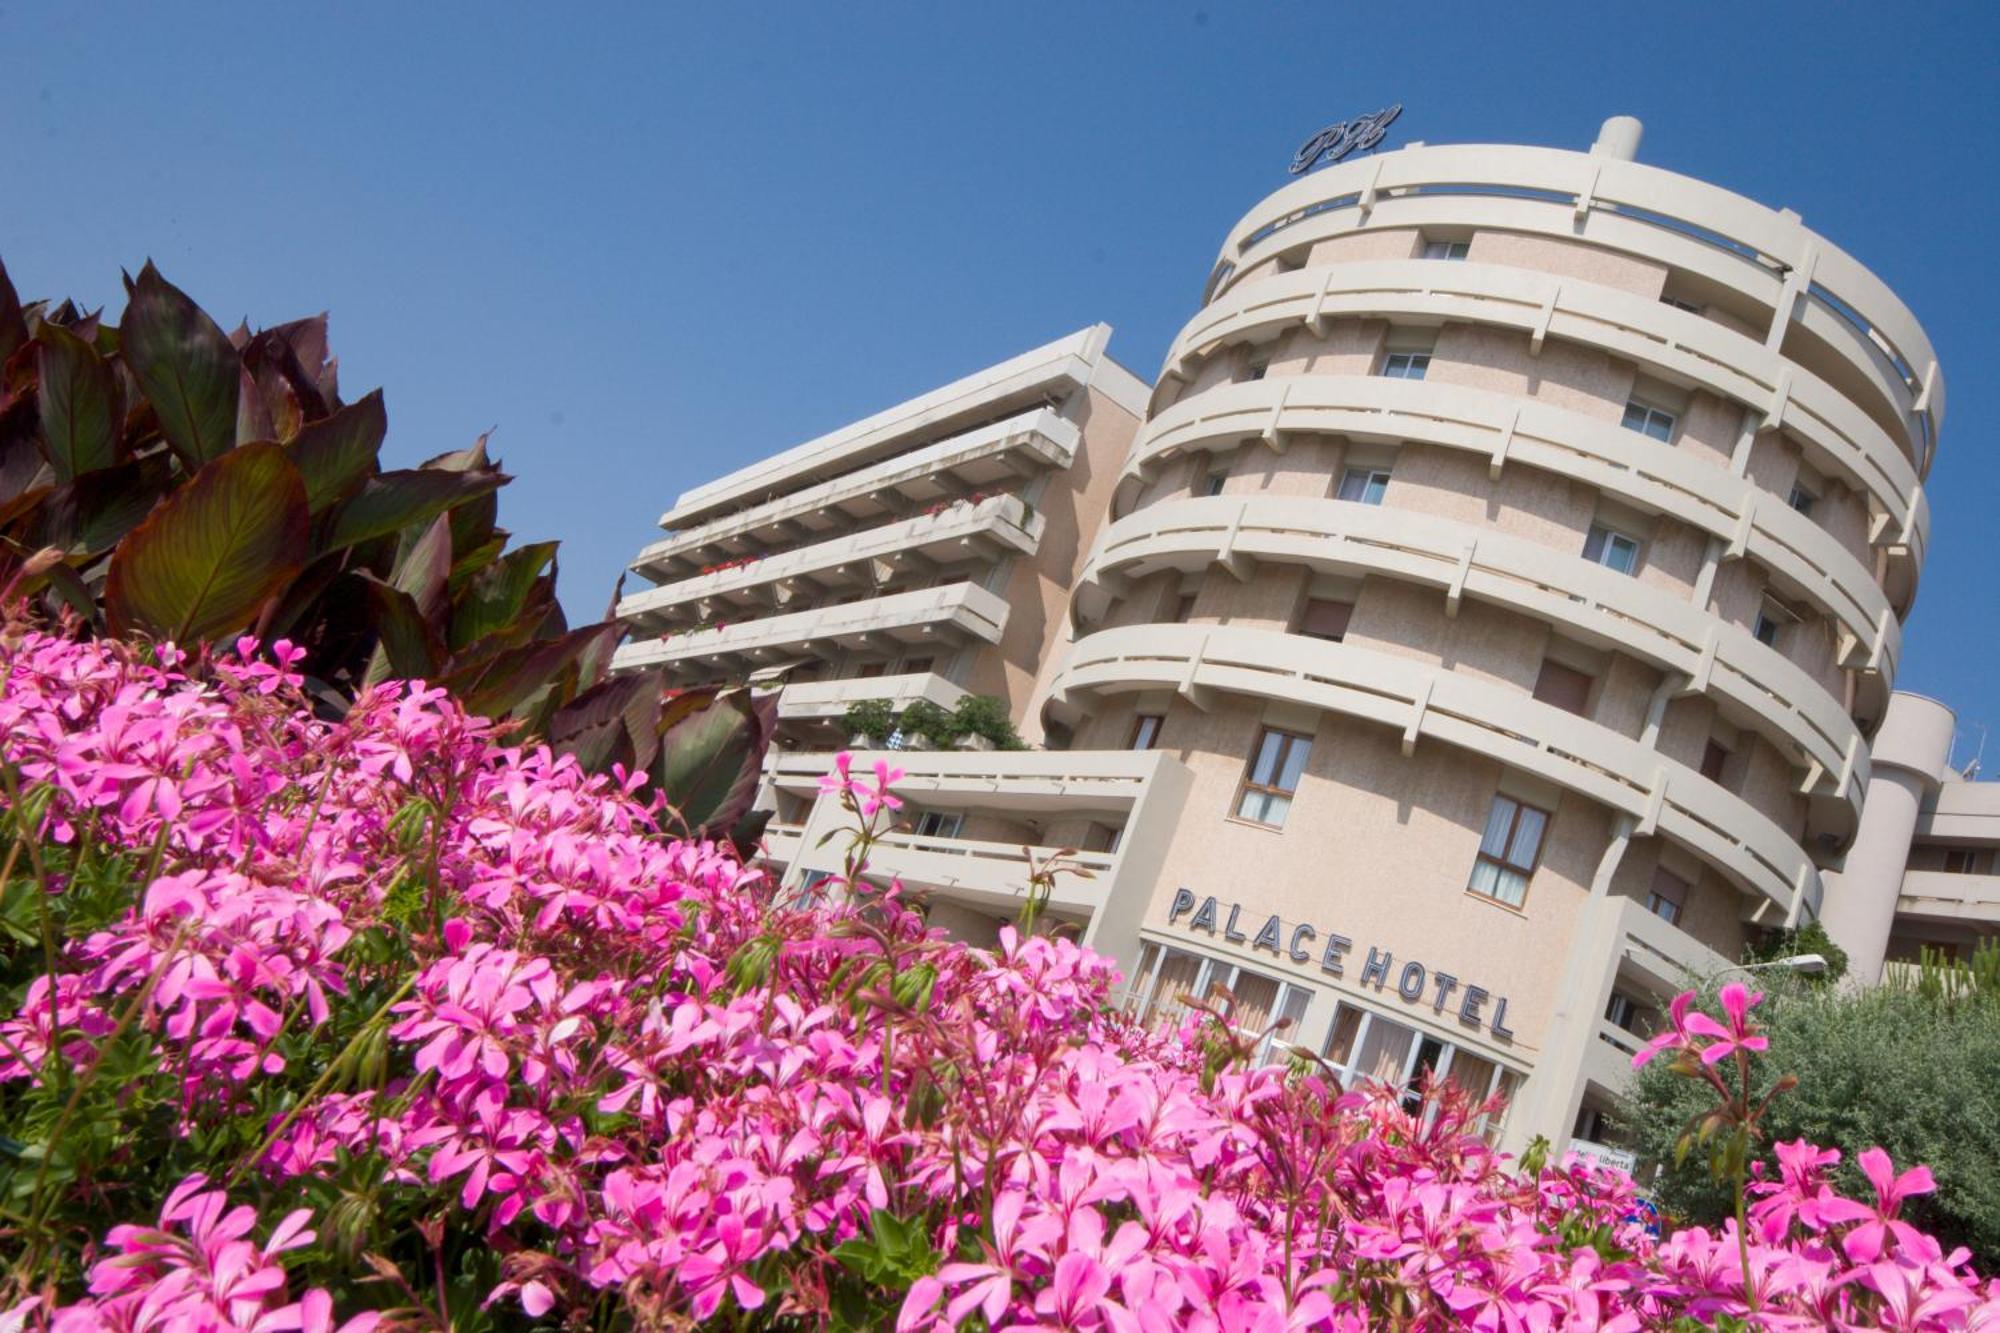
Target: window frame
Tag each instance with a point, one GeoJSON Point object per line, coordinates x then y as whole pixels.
{"type": "Point", "coordinates": [1289, 741]}
{"type": "Point", "coordinates": [1143, 738]}
{"type": "Point", "coordinates": [1344, 1068]}
{"type": "Point", "coordinates": [1800, 492]}
{"type": "Point", "coordinates": [1413, 360]}
{"type": "Point", "coordinates": [1143, 1002]}
{"type": "Point", "coordinates": [1501, 863]}
{"type": "Point", "coordinates": [1655, 897]}
{"type": "Point", "coordinates": [1450, 251]}
{"type": "Point", "coordinates": [1213, 481]}
{"type": "Point", "coordinates": [1648, 413]}
{"type": "Point", "coordinates": [1611, 536]}
{"type": "Point", "coordinates": [1368, 476]}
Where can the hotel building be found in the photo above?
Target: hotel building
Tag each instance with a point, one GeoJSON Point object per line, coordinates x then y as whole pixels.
{"type": "Point", "coordinates": [1485, 623]}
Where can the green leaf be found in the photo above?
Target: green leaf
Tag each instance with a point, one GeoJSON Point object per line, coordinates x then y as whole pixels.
{"type": "Point", "coordinates": [495, 598]}
{"type": "Point", "coordinates": [78, 397]}
{"type": "Point", "coordinates": [422, 567]}
{"type": "Point", "coordinates": [408, 648]}
{"type": "Point", "coordinates": [712, 746]}
{"type": "Point", "coordinates": [495, 685]}
{"type": "Point", "coordinates": [209, 557]}
{"type": "Point", "coordinates": [614, 722]}
{"type": "Point", "coordinates": [185, 367]}
{"type": "Point", "coordinates": [391, 501]}
{"type": "Point", "coordinates": [93, 513]}
{"type": "Point", "coordinates": [337, 454]}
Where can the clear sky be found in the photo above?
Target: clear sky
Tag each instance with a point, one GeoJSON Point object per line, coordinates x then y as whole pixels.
{"type": "Point", "coordinates": [652, 243]}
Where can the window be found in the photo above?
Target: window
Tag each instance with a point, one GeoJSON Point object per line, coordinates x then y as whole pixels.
{"type": "Point", "coordinates": [1167, 978]}
{"type": "Point", "coordinates": [1649, 421]}
{"type": "Point", "coordinates": [1446, 249]}
{"type": "Point", "coordinates": [1213, 483]}
{"type": "Point", "coordinates": [1101, 838]}
{"type": "Point", "coordinates": [1324, 618]}
{"type": "Point", "coordinates": [812, 887]}
{"type": "Point", "coordinates": [1145, 731]}
{"type": "Point", "coordinates": [1367, 1047]}
{"type": "Point", "coordinates": [1406, 365]}
{"type": "Point", "coordinates": [1623, 1011]}
{"type": "Point", "coordinates": [870, 670]}
{"type": "Point", "coordinates": [1668, 896]}
{"type": "Point", "coordinates": [1714, 757]}
{"type": "Point", "coordinates": [1256, 367]}
{"type": "Point", "coordinates": [1565, 687]}
{"type": "Point", "coordinates": [1613, 550]}
{"type": "Point", "coordinates": [1592, 1125]}
{"type": "Point", "coordinates": [1508, 851]}
{"type": "Point", "coordinates": [1963, 861]}
{"type": "Point", "coordinates": [938, 824]}
{"type": "Point", "coordinates": [1366, 485]}
{"type": "Point", "coordinates": [913, 666]}
{"type": "Point", "coordinates": [1802, 499]}
{"type": "Point", "coordinates": [1183, 608]}
{"type": "Point", "coordinates": [1272, 778]}
{"type": "Point", "coordinates": [1771, 623]}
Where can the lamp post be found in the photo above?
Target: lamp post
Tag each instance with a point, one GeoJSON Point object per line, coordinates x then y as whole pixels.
{"type": "Point", "coordinates": [1805, 964]}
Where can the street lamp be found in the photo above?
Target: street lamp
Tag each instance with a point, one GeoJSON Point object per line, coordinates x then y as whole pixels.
{"type": "Point", "coordinates": [1805, 964]}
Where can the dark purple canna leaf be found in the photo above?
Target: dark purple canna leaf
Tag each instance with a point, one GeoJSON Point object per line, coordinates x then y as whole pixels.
{"type": "Point", "coordinates": [391, 501]}
{"type": "Point", "coordinates": [78, 398]}
{"type": "Point", "coordinates": [503, 681]}
{"type": "Point", "coordinates": [337, 454]}
{"type": "Point", "coordinates": [13, 327]}
{"type": "Point", "coordinates": [712, 745]}
{"type": "Point", "coordinates": [184, 365]}
{"type": "Point", "coordinates": [92, 514]}
{"type": "Point", "coordinates": [497, 600]}
{"type": "Point", "coordinates": [423, 569]}
{"type": "Point", "coordinates": [408, 648]}
{"type": "Point", "coordinates": [616, 722]}
{"type": "Point", "coordinates": [206, 561]}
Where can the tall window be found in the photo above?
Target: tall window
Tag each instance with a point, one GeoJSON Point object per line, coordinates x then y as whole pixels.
{"type": "Point", "coordinates": [1365, 485]}
{"type": "Point", "coordinates": [1771, 623]}
{"type": "Point", "coordinates": [1668, 896]}
{"type": "Point", "coordinates": [1364, 1046]}
{"type": "Point", "coordinates": [1167, 979]}
{"type": "Point", "coordinates": [1256, 367]}
{"type": "Point", "coordinates": [1324, 618]}
{"type": "Point", "coordinates": [1183, 607]}
{"type": "Point", "coordinates": [1406, 365]}
{"type": "Point", "coordinates": [939, 824]}
{"type": "Point", "coordinates": [1714, 759]}
{"type": "Point", "coordinates": [1446, 249]}
{"type": "Point", "coordinates": [1612, 549]}
{"type": "Point", "coordinates": [1213, 483]}
{"type": "Point", "coordinates": [1272, 777]}
{"type": "Point", "coordinates": [1508, 851]}
{"type": "Point", "coordinates": [1649, 420]}
{"type": "Point", "coordinates": [1145, 731]}
{"type": "Point", "coordinates": [1802, 499]}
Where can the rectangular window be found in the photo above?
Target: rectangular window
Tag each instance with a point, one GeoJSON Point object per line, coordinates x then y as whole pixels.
{"type": "Point", "coordinates": [1364, 485]}
{"type": "Point", "coordinates": [1508, 851]}
{"type": "Point", "coordinates": [1802, 499]}
{"type": "Point", "coordinates": [916, 666]}
{"type": "Point", "coordinates": [1667, 897]}
{"type": "Point", "coordinates": [1766, 629]}
{"type": "Point", "coordinates": [1565, 687]}
{"type": "Point", "coordinates": [1168, 978]}
{"type": "Point", "coordinates": [1367, 1047]}
{"type": "Point", "coordinates": [870, 670]}
{"type": "Point", "coordinates": [1272, 777]}
{"type": "Point", "coordinates": [1213, 483]}
{"type": "Point", "coordinates": [1613, 550]}
{"type": "Point", "coordinates": [1183, 608]}
{"type": "Point", "coordinates": [1714, 757]}
{"type": "Point", "coordinates": [1622, 1012]}
{"type": "Point", "coordinates": [1257, 368]}
{"type": "Point", "coordinates": [1962, 861]}
{"type": "Point", "coordinates": [939, 824]}
{"type": "Point", "coordinates": [1446, 249]}
{"type": "Point", "coordinates": [1649, 421]}
{"type": "Point", "coordinates": [1324, 618]}
{"type": "Point", "coordinates": [1406, 365]}
{"type": "Point", "coordinates": [1145, 731]}
{"type": "Point", "coordinates": [1101, 838]}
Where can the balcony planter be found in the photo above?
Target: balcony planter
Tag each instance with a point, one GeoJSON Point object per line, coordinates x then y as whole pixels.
{"type": "Point", "coordinates": [974, 743]}
{"type": "Point", "coordinates": [860, 742]}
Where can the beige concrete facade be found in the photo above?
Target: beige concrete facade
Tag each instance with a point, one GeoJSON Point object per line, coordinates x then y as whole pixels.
{"type": "Point", "coordinates": [1491, 626]}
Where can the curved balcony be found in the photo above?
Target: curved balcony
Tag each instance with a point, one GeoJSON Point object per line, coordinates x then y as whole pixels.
{"type": "Point", "coordinates": [991, 529]}
{"type": "Point", "coordinates": [955, 611]}
{"type": "Point", "coordinates": [992, 876]}
{"type": "Point", "coordinates": [1420, 701]}
{"type": "Point", "coordinates": [992, 456]}
{"type": "Point", "coordinates": [828, 700]}
{"type": "Point", "coordinates": [1754, 684]}
{"type": "Point", "coordinates": [1764, 254]}
{"type": "Point", "coordinates": [1842, 440]}
{"type": "Point", "coordinates": [1805, 562]}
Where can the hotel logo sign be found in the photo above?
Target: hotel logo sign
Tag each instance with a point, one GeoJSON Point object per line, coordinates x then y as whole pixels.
{"type": "Point", "coordinates": [1335, 142]}
{"type": "Point", "coordinates": [1414, 983]}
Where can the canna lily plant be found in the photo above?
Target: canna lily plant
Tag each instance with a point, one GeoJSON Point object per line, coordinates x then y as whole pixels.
{"type": "Point", "coordinates": [162, 478]}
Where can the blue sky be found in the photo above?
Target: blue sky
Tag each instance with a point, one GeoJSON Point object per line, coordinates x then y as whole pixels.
{"type": "Point", "coordinates": [651, 243]}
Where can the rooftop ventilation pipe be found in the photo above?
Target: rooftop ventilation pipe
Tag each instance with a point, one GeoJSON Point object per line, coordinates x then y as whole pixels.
{"type": "Point", "coordinates": [1618, 139]}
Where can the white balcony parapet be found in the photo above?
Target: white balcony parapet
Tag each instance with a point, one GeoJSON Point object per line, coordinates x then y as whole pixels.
{"type": "Point", "coordinates": [1844, 440]}
{"type": "Point", "coordinates": [1061, 780]}
{"type": "Point", "coordinates": [998, 523]}
{"type": "Point", "coordinates": [1650, 956]}
{"type": "Point", "coordinates": [1050, 372]}
{"type": "Point", "coordinates": [1765, 254]}
{"type": "Point", "coordinates": [1040, 438]}
{"type": "Point", "coordinates": [827, 700]}
{"type": "Point", "coordinates": [1660, 794]}
{"type": "Point", "coordinates": [956, 608]}
{"type": "Point", "coordinates": [1807, 561]}
{"type": "Point", "coordinates": [1941, 895]}
{"type": "Point", "coordinates": [1764, 690]}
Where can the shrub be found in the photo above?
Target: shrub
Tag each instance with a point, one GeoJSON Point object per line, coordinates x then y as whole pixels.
{"type": "Point", "coordinates": [984, 715]}
{"type": "Point", "coordinates": [921, 717]}
{"type": "Point", "coordinates": [873, 718]}
{"type": "Point", "coordinates": [1917, 1076]}
{"type": "Point", "coordinates": [440, 1034]}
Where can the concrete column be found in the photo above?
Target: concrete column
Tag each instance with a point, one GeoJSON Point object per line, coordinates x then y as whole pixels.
{"type": "Point", "coordinates": [1907, 762]}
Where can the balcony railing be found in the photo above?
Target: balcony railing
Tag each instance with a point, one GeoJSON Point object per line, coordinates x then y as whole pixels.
{"type": "Point", "coordinates": [1020, 445]}
{"type": "Point", "coordinates": [1943, 895]}
{"type": "Point", "coordinates": [955, 611]}
{"type": "Point", "coordinates": [816, 700]}
{"type": "Point", "coordinates": [993, 527]}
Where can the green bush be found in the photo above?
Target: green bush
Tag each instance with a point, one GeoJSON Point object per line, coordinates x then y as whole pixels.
{"type": "Point", "coordinates": [872, 718]}
{"type": "Point", "coordinates": [1913, 1070]}
{"type": "Point", "coordinates": [924, 718]}
{"type": "Point", "coordinates": [984, 715]}
{"type": "Point", "coordinates": [1810, 938]}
